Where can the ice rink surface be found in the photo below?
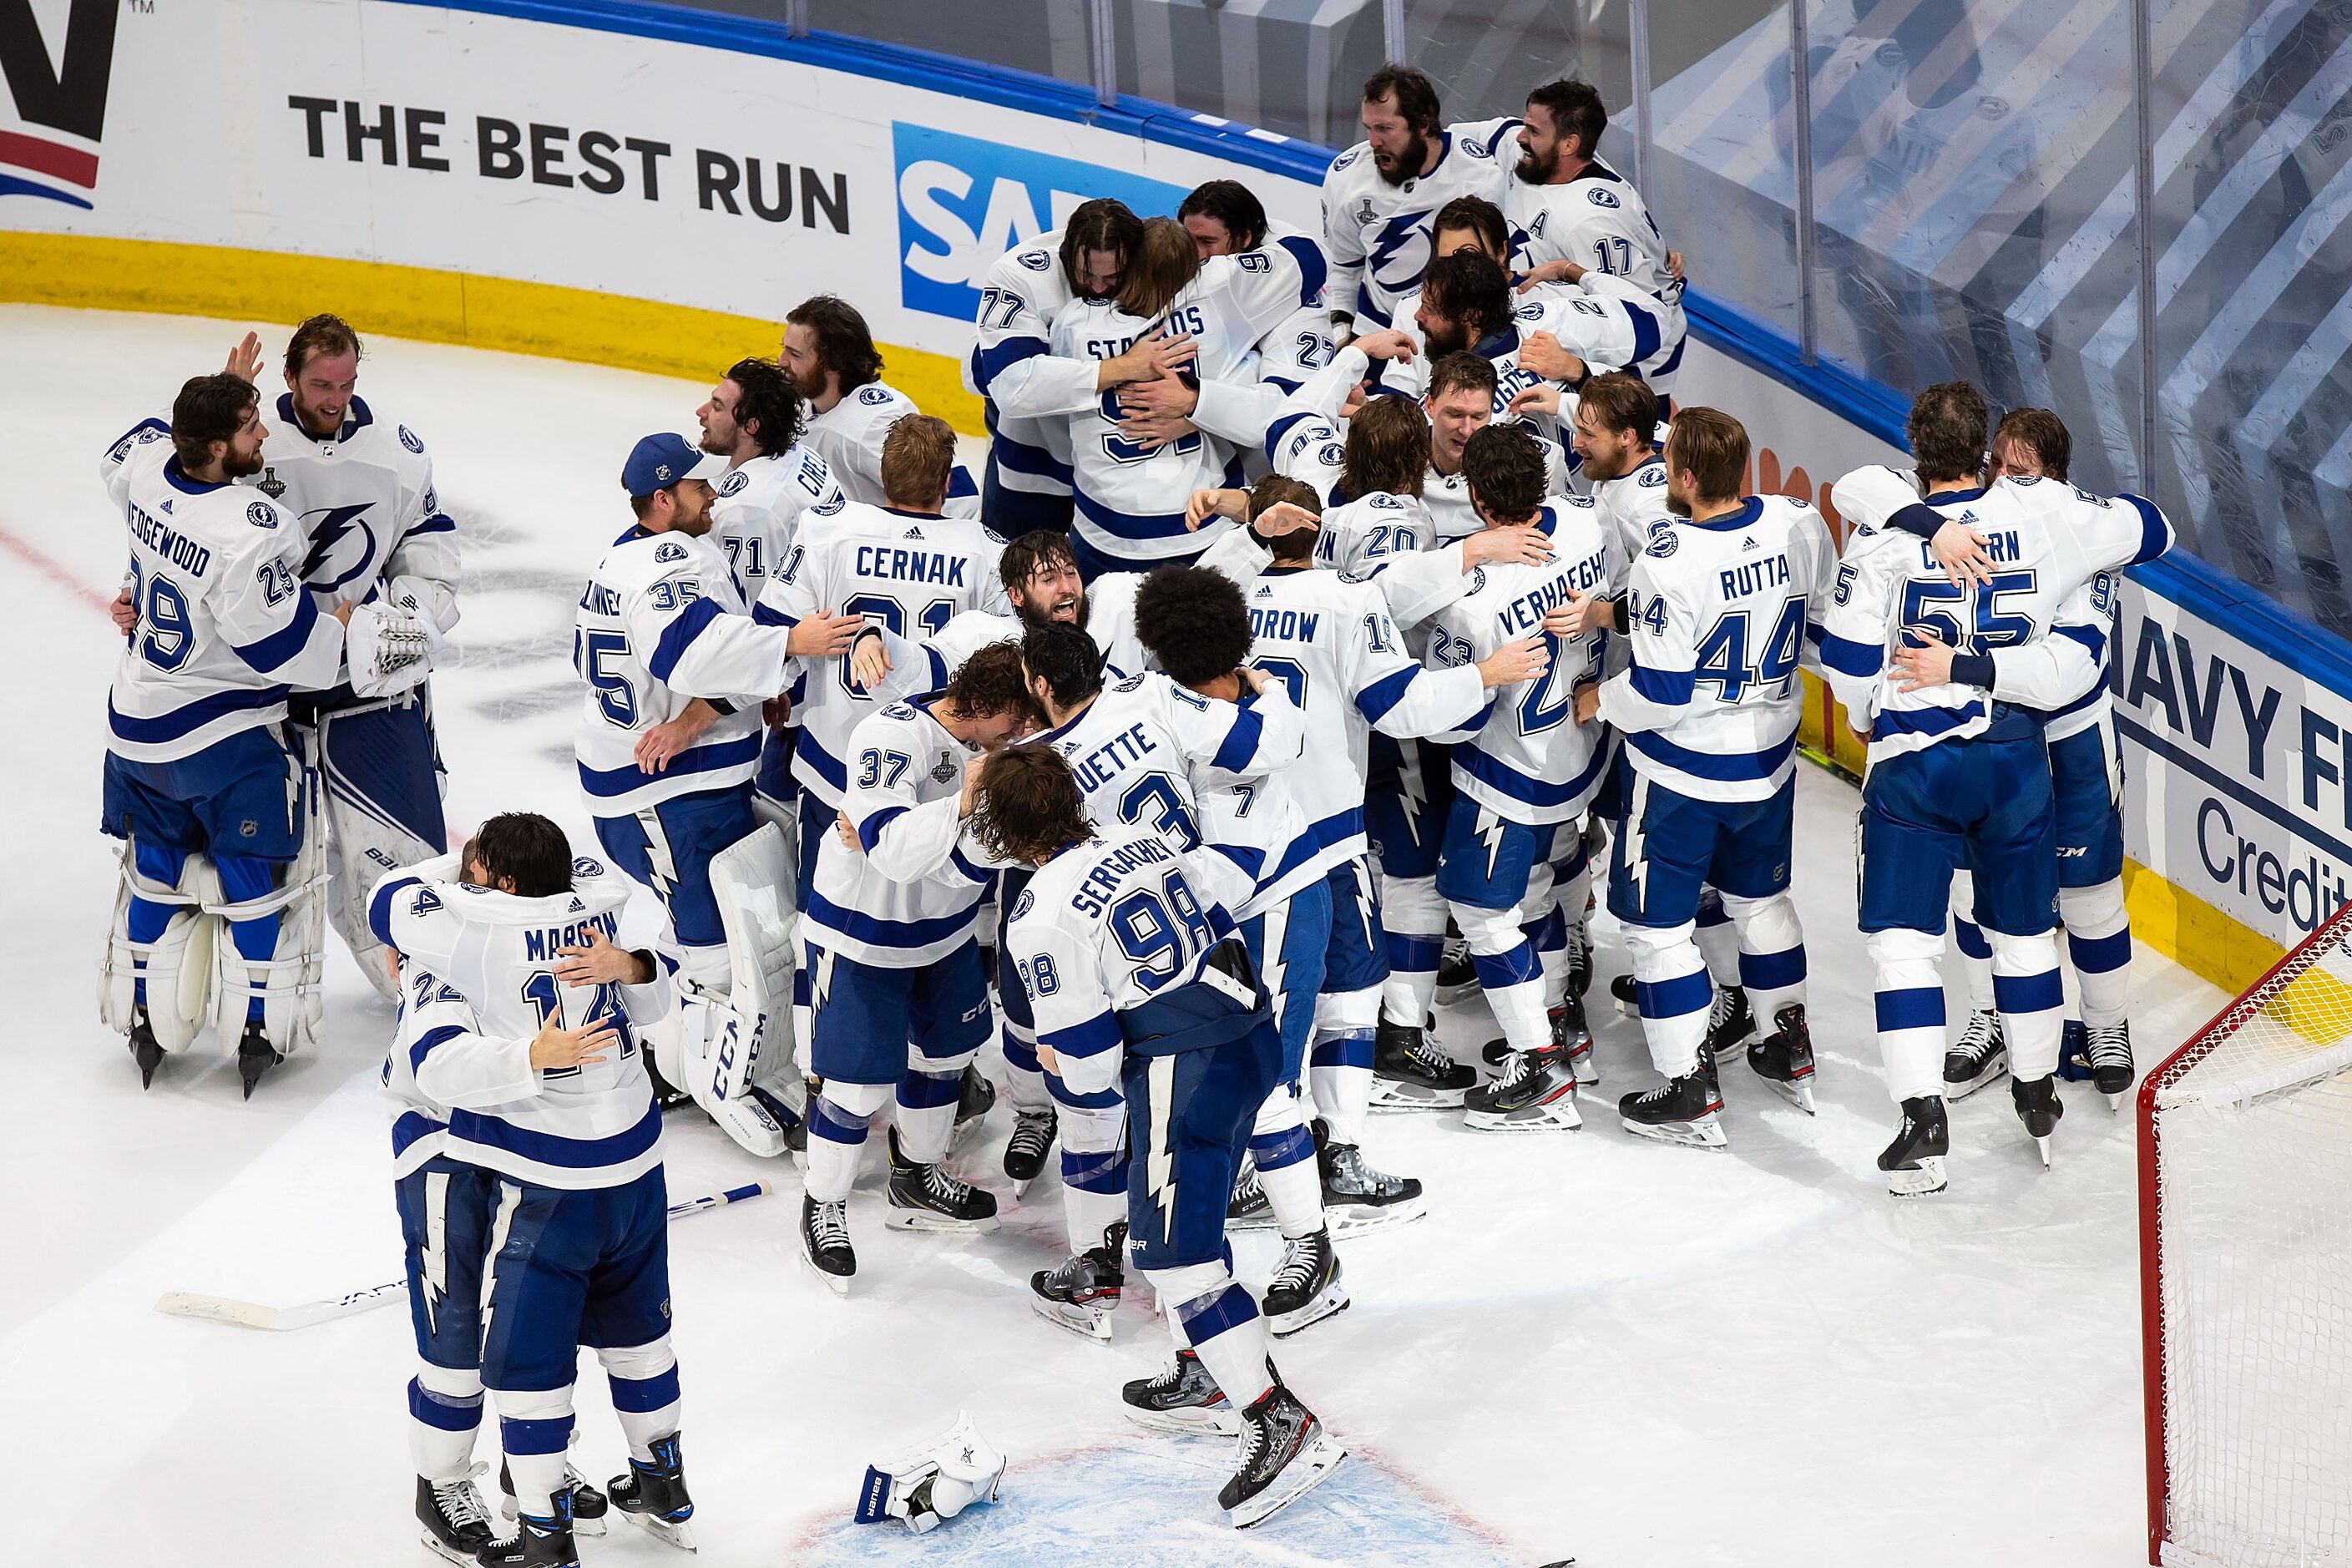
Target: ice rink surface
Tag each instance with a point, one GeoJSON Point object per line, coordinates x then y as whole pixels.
{"type": "Point", "coordinates": [1594, 1347]}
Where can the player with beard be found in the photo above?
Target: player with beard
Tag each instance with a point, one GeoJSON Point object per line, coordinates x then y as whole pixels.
{"type": "Point", "coordinates": [830, 359]}
{"type": "Point", "coordinates": [756, 419]}
{"type": "Point", "coordinates": [1380, 195]}
{"type": "Point", "coordinates": [1571, 211]}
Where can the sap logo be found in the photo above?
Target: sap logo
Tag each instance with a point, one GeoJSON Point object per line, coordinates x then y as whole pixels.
{"type": "Point", "coordinates": [963, 203]}
{"type": "Point", "coordinates": [59, 86]}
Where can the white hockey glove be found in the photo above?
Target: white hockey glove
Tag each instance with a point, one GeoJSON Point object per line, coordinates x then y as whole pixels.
{"type": "Point", "coordinates": [934, 1481]}
{"type": "Point", "coordinates": [388, 649]}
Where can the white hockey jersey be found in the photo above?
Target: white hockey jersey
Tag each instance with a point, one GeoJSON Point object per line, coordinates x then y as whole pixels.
{"type": "Point", "coordinates": [906, 572]}
{"type": "Point", "coordinates": [661, 623]}
{"type": "Point", "coordinates": [1332, 644]}
{"type": "Point", "coordinates": [758, 506]}
{"type": "Point", "coordinates": [430, 1013]}
{"type": "Point", "coordinates": [1633, 504]}
{"type": "Point", "coordinates": [1447, 496]}
{"type": "Point", "coordinates": [1377, 235]}
{"type": "Point", "coordinates": [1525, 757]}
{"type": "Point", "coordinates": [1599, 221]}
{"type": "Point", "coordinates": [1605, 322]}
{"type": "Point", "coordinates": [226, 627]}
{"type": "Point", "coordinates": [921, 667]}
{"type": "Point", "coordinates": [1721, 615]}
{"type": "Point", "coordinates": [2047, 540]}
{"type": "Point", "coordinates": [850, 436]}
{"type": "Point", "coordinates": [368, 507]}
{"type": "Point", "coordinates": [1502, 350]}
{"type": "Point", "coordinates": [1103, 928]}
{"type": "Point", "coordinates": [1020, 295]}
{"type": "Point", "coordinates": [594, 1125]}
{"type": "Point", "coordinates": [909, 895]}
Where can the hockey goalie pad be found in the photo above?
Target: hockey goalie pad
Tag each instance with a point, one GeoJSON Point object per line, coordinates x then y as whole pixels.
{"type": "Point", "coordinates": [380, 770]}
{"type": "Point", "coordinates": [289, 982]}
{"type": "Point", "coordinates": [751, 882]}
{"type": "Point", "coordinates": [177, 965]}
{"type": "Point", "coordinates": [935, 1481]}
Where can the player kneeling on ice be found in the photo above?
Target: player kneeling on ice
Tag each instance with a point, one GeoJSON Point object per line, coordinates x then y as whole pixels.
{"type": "Point", "coordinates": [550, 1094]}
{"type": "Point", "coordinates": [897, 992]}
{"type": "Point", "coordinates": [219, 819]}
{"type": "Point", "coordinates": [1137, 976]}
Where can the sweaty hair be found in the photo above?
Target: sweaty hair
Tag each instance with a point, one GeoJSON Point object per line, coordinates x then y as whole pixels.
{"type": "Point", "coordinates": [1163, 262]}
{"type": "Point", "coordinates": [1415, 94]}
{"type": "Point", "coordinates": [1712, 446]}
{"type": "Point", "coordinates": [527, 848]}
{"type": "Point", "coordinates": [918, 456]}
{"type": "Point", "coordinates": [1461, 370]}
{"type": "Point", "coordinates": [321, 334]}
{"type": "Point", "coordinates": [1620, 401]}
{"type": "Point", "coordinates": [1469, 283]}
{"type": "Point", "coordinates": [1232, 204]}
{"type": "Point", "coordinates": [1023, 556]}
{"type": "Point", "coordinates": [1481, 217]}
{"type": "Point", "coordinates": [1029, 805]}
{"type": "Point", "coordinates": [1066, 659]}
{"type": "Point", "coordinates": [1387, 449]}
{"type": "Point", "coordinates": [844, 346]}
{"type": "Point", "coordinates": [1947, 431]}
{"type": "Point", "coordinates": [1575, 109]}
{"type": "Point", "coordinates": [1102, 223]}
{"type": "Point", "coordinates": [2041, 432]}
{"type": "Point", "coordinates": [767, 404]}
{"type": "Point", "coordinates": [209, 409]}
{"type": "Point", "coordinates": [1195, 621]}
{"type": "Point", "coordinates": [1505, 469]}
{"type": "Point", "coordinates": [1274, 489]}
{"type": "Point", "coordinates": [991, 682]}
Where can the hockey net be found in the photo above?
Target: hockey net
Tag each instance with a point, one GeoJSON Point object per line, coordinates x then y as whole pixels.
{"type": "Point", "coordinates": [2245, 1138]}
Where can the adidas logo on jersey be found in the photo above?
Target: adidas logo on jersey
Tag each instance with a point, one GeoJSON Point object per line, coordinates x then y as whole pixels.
{"type": "Point", "coordinates": [1748, 544]}
{"type": "Point", "coordinates": [914, 533]}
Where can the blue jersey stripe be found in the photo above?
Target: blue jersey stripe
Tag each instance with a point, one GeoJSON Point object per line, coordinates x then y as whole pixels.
{"type": "Point", "coordinates": [606, 783]}
{"type": "Point", "coordinates": [190, 717]}
{"type": "Point", "coordinates": [679, 635]}
{"type": "Point", "coordinates": [1730, 768]}
{"type": "Point", "coordinates": [553, 1149]}
{"type": "Point", "coordinates": [286, 642]}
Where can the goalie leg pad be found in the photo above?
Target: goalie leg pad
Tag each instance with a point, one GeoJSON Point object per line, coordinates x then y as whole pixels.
{"type": "Point", "coordinates": [159, 949]}
{"type": "Point", "coordinates": [934, 1481]}
{"type": "Point", "coordinates": [270, 966]}
{"type": "Point", "coordinates": [380, 778]}
{"type": "Point", "coordinates": [750, 884]}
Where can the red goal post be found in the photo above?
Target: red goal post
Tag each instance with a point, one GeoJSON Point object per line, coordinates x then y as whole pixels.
{"type": "Point", "coordinates": [2245, 1183]}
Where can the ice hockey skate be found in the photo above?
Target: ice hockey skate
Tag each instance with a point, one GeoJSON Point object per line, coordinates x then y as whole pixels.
{"type": "Point", "coordinates": [255, 1055]}
{"type": "Point", "coordinates": [1248, 1208]}
{"type": "Point", "coordinates": [145, 1049]}
{"type": "Point", "coordinates": [1534, 1094]}
{"type": "Point", "coordinates": [1358, 1196]}
{"type": "Point", "coordinates": [1457, 975]}
{"type": "Point", "coordinates": [1306, 1289]}
{"type": "Point", "coordinates": [1183, 1398]}
{"type": "Point", "coordinates": [825, 1242]}
{"type": "Point", "coordinates": [1977, 1058]}
{"type": "Point", "coordinates": [652, 1495]}
{"type": "Point", "coordinates": [1411, 1071]}
{"type": "Point", "coordinates": [1784, 1058]}
{"type": "Point", "coordinates": [1025, 1149]}
{"type": "Point", "coordinates": [1284, 1452]}
{"type": "Point", "coordinates": [2039, 1108]}
{"type": "Point", "coordinates": [588, 1505]}
{"type": "Point", "coordinates": [974, 1100]}
{"type": "Point", "coordinates": [540, 1542]}
{"type": "Point", "coordinates": [1572, 1038]}
{"type": "Point", "coordinates": [1913, 1162]}
{"type": "Point", "coordinates": [1626, 992]}
{"type": "Point", "coordinates": [928, 1197]}
{"type": "Point", "coordinates": [456, 1525]}
{"type": "Point", "coordinates": [1730, 1022]}
{"type": "Point", "coordinates": [2102, 1054]}
{"type": "Point", "coordinates": [1686, 1111]}
{"type": "Point", "coordinates": [1082, 1291]}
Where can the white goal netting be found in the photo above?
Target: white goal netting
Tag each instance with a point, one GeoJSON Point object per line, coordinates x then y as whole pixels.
{"type": "Point", "coordinates": [2247, 1227]}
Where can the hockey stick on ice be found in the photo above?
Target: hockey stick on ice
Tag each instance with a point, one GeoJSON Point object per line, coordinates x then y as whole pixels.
{"type": "Point", "coordinates": [253, 1315]}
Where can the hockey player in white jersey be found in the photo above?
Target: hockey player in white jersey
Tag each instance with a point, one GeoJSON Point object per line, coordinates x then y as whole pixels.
{"type": "Point", "coordinates": [1957, 773]}
{"type": "Point", "coordinates": [1570, 212]}
{"type": "Point", "coordinates": [1380, 195]}
{"type": "Point", "coordinates": [774, 475]}
{"type": "Point", "coordinates": [897, 992]}
{"type": "Point", "coordinates": [1528, 762]}
{"type": "Point", "coordinates": [662, 628]}
{"type": "Point", "coordinates": [1721, 607]}
{"type": "Point", "coordinates": [1618, 455]}
{"type": "Point", "coordinates": [1466, 307]}
{"type": "Point", "coordinates": [565, 1118]}
{"type": "Point", "coordinates": [2086, 785]}
{"type": "Point", "coordinates": [1022, 293]}
{"type": "Point", "coordinates": [1143, 993]}
{"type": "Point", "coordinates": [1136, 748]}
{"type": "Point", "coordinates": [829, 356]}
{"type": "Point", "coordinates": [219, 818]}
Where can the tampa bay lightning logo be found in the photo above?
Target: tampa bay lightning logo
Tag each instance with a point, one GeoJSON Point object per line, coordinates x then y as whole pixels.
{"type": "Point", "coordinates": [829, 508]}
{"type": "Point", "coordinates": [1022, 905]}
{"type": "Point", "coordinates": [261, 514]}
{"type": "Point", "coordinates": [1131, 683]}
{"type": "Point", "coordinates": [669, 550]}
{"type": "Point", "coordinates": [1347, 159]}
{"type": "Point", "coordinates": [342, 546]}
{"type": "Point", "coordinates": [1397, 242]}
{"type": "Point", "coordinates": [1334, 455]}
{"type": "Point", "coordinates": [1529, 312]}
{"type": "Point", "coordinates": [1650, 477]}
{"type": "Point", "coordinates": [1601, 198]}
{"type": "Point", "coordinates": [1663, 542]}
{"type": "Point", "coordinates": [733, 485]}
{"type": "Point", "coordinates": [1382, 501]}
{"type": "Point", "coordinates": [581, 865]}
{"type": "Point", "coordinates": [1036, 260]}
{"type": "Point", "coordinates": [408, 439]}
{"type": "Point", "coordinates": [874, 396]}
{"type": "Point", "coordinates": [1477, 578]}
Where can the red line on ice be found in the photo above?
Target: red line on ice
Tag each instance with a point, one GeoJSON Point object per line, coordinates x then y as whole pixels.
{"type": "Point", "coordinates": [53, 572]}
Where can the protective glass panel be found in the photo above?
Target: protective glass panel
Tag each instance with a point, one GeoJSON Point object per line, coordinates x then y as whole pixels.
{"type": "Point", "coordinates": [1486, 54]}
{"type": "Point", "coordinates": [1050, 37]}
{"type": "Point", "coordinates": [1296, 66]}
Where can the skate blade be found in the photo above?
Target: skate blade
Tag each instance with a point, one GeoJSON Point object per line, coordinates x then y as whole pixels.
{"type": "Point", "coordinates": [1087, 1322]}
{"type": "Point", "coordinates": [924, 1220]}
{"type": "Point", "coordinates": [1705, 1133]}
{"type": "Point", "coordinates": [1256, 1219]}
{"type": "Point", "coordinates": [1799, 1093]}
{"type": "Point", "coordinates": [1388, 1095]}
{"type": "Point", "coordinates": [2116, 1101]}
{"type": "Point", "coordinates": [588, 1526]}
{"type": "Point", "coordinates": [1446, 996]}
{"type": "Point", "coordinates": [1919, 1181]}
{"type": "Point", "coordinates": [1625, 1009]}
{"type": "Point", "coordinates": [1960, 1089]}
{"type": "Point", "coordinates": [1333, 1301]}
{"type": "Point", "coordinates": [675, 1532]}
{"type": "Point", "coordinates": [1191, 1422]}
{"type": "Point", "coordinates": [838, 1283]}
{"type": "Point", "coordinates": [433, 1544]}
{"type": "Point", "coordinates": [1354, 1219]}
{"type": "Point", "coordinates": [1556, 1116]}
{"type": "Point", "coordinates": [1312, 1467]}
{"type": "Point", "coordinates": [1586, 1068]}
{"type": "Point", "coordinates": [1021, 1188]}
{"type": "Point", "coordinates": [2042, 1147]}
